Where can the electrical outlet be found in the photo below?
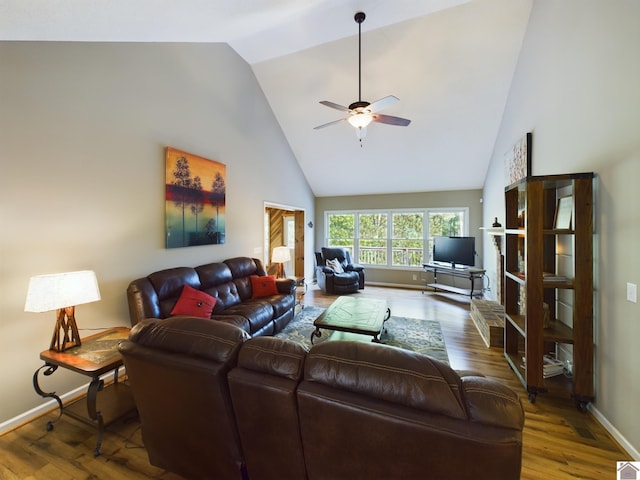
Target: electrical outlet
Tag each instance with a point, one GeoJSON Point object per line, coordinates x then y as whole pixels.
{"type": "Point", "coordinates": [632, 292]}
{"type": "Point", "coordinates": [415, 276]}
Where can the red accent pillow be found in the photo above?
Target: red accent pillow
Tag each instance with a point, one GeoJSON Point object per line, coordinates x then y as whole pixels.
{"type": "Point", "coordinates": [263, 286]}
{"type": "Point", "coordinates": [194, 302]}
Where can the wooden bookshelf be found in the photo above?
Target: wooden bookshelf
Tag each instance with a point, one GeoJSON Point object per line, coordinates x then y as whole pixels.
{"type": "Point", "coordinates": [552, 266]}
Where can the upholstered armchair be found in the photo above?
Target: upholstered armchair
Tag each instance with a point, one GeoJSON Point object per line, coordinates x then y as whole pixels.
{"type": "Point", "coordinates": [335, 273]}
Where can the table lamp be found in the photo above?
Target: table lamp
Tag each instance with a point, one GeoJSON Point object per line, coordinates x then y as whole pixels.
{"type": "Point", "coordinates": [280, 256]}
{"type": "Point", "coordinates": [62, 292]}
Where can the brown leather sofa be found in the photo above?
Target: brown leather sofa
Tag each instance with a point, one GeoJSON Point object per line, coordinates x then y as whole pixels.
{"type": "Point", "coordinates": [229, 282]}
{"type": "Point", "coordinates": [215, 404]}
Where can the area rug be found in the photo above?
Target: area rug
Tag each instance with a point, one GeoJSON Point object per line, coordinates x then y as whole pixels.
{"type": "Point", "coordinates": [423, 336]}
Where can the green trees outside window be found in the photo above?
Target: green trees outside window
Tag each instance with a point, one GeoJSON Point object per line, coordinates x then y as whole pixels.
{"type": "Point", "coordinates": [393, 238]}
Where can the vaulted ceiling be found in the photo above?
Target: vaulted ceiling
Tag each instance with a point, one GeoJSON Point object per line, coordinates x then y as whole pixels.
{"type": "Point", "coordinates": [450, 62]}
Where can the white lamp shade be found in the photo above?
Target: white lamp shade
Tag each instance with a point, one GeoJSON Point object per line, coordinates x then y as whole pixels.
{"type": "Point", "coordinates": [281, 255]}
{"type": "Point", "coordinates": [61, 290]}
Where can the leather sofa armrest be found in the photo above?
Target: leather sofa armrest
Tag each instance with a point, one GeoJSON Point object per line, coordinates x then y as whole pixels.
{"type": "Point", "coordinates": [492, 403]}
{"type": "Point", "coordinates": [326, 270]}
{"type": "Point", "coordinates": [354, 267]}
{"type": "Point", "coordinates": [286, 286]}
{"type": "Point", "coordinates": [143, 301]}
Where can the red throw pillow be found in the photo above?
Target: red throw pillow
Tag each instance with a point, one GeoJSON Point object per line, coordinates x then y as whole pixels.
{"type": "Point", "coordinates": [264, 286]}
{"type": "Point", "coordinates": [194, 302]}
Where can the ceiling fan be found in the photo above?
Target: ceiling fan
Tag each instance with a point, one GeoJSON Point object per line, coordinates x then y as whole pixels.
{"type": "Point", "coordinates": [362, 113]}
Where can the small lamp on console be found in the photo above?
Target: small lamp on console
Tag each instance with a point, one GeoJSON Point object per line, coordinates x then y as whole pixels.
{"type": "Point", "coordinates": [281, 255]}
{"type": "Point", "coordinates": [62, 292]}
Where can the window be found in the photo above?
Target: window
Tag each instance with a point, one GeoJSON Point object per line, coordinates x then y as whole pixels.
{"type": "Point", "coordinates": [450, 223]}
{"type": "Point", "coordinates": [340, 229]}
{"type": "Point", "coordinates": [393, 238]}
{"type": "Point", "coordinates": [373, 238]}
{"type": "Point", "coordinates": [407, 239]}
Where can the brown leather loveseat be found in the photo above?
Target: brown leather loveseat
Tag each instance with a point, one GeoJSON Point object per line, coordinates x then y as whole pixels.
{"type": "Point", "coordinates": [231, 284]}
{"type": "Point", "coordinates": [215, 403]}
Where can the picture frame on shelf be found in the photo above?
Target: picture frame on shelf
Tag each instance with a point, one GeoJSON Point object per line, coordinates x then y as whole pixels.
{"type": "Point", "coordinates": [564, 213]}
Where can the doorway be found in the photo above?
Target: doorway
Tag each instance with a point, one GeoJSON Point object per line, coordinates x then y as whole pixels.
{"type": "Point", "coordinates": [284, 227]}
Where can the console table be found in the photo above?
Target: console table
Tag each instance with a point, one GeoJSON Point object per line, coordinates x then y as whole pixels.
{"type": "Point", "coordinates": [472, 274]}
{"type": "Point", "coordinates": [97, 355]}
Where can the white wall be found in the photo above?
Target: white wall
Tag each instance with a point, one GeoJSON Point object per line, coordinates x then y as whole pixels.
{"type": "Point", "coordinates": [577, 88]}
{"type": "Point", "coordinates": [83, 127]}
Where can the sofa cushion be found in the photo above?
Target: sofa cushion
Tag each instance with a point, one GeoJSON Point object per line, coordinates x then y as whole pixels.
{"type": "Point", "coordinates": [264, 286]}
{"type": "Point", "coordinates": [168, 286]}
{"type": "Point", "coordinates": [281, 304]}
{"type": "Point", "coordinates": [274, 356]}
{"type": "Point", "coordinates": [236, 320]}
{"type": "Point", "coordinates": [388, 373]}
{"type": "Point", "coordinates": [213, 274]}
{"type": "Point", "coordinates": [242, 268]}
{"type": "Point", "coordinates": [194, 302]}
{"type": "Point", "coordinates": [226, 296]}
{"type": "Point", "coordinates": [258, 312]}
{"type": "Point", "coordinates": [346, 278]}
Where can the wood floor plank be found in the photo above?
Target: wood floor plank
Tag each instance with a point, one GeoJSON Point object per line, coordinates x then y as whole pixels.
{"type": "Point", "coordinates": [559, 442]}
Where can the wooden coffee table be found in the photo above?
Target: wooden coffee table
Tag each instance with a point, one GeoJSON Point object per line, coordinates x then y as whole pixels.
{"type": "Point", "coordinates": [364, 316]}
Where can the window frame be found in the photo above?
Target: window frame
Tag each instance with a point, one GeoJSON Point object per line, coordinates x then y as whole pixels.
{"type": "Point", "coordinates": [426, 237]}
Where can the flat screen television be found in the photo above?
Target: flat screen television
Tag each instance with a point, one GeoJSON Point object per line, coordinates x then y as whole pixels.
{"type": "Point", "coordinates": [459, 252]}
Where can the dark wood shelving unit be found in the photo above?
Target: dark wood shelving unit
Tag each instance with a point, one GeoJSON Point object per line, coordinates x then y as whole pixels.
{"type": "Point", "coordinates": [552, 266]}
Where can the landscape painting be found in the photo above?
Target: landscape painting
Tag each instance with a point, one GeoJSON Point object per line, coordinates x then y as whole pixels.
{"type": "Point", "coordinates": [195, 193]}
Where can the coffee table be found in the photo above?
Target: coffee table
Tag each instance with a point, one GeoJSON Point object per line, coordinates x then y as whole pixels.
{"type": "Point", "coordinates": [364, 316]}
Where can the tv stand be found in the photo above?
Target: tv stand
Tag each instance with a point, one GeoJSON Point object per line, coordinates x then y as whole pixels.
{"type": "Point", "coordinates": [471, 273]}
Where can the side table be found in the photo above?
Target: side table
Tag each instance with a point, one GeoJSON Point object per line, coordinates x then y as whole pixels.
{"type": "Point", "coordinates": [300, 291]}
{"type": "Point", "coordinates": [97, 355]}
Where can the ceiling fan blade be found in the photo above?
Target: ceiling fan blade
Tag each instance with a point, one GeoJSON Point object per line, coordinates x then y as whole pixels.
{"type": "Point", "coordinates": [329, 124]}
{"type": "Point", "coordinates": [383, 103]}
{"type": "Point", "coordinates": [389, 120]}
{"type": "Point", "coordinates": [334, 105]}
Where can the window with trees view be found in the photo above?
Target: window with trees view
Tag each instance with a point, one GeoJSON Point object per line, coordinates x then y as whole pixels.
{"type": "Point", "coordinates": [393, 238]}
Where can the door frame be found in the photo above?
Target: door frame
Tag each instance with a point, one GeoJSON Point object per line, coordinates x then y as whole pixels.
{"type": "Point", "coordinates": [299, 250]}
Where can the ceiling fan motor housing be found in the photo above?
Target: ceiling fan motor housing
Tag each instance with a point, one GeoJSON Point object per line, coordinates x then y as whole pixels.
{"type": "Point", "coordinates": [359, 104]}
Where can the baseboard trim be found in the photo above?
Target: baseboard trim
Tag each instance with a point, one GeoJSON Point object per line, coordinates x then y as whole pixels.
{"type": "Point", "coordinates": [51, 405]}
{"type": "Point", "coordinates": [615, 433]}
{"type": "Point", "coordinates": [395, 285]}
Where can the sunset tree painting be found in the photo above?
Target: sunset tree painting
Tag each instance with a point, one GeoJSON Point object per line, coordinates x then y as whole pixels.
{"type": "Point", "coordinates": [195, 192]}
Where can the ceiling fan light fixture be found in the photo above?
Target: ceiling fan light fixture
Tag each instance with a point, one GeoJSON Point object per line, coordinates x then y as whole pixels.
{"type": "Point", "coordinates": [362, 113]}
{"type": "Point", "coordinates": [360, 120]}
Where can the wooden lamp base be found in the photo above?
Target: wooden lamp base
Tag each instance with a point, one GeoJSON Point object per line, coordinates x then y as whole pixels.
{"type": "Point", "coordinates": [66, 333]}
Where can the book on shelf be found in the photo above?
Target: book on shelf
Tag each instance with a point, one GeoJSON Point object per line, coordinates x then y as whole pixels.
{"type": "Point", "coordinates": [548, 277]}
{"type": "Point", "coordinates": [551, 366]}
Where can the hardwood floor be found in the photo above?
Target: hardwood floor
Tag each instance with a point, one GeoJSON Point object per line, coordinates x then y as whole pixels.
{"type": "Point", "coordinates": [559, 442]}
